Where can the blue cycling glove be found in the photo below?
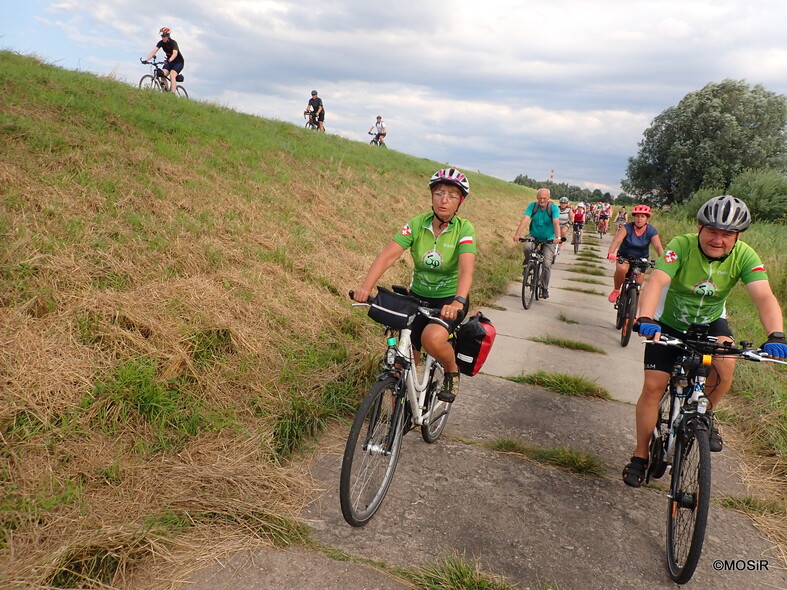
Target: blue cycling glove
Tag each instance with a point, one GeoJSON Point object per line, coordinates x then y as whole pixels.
{"type": "Point", "coordinates": [647, 327]}
{"type": "Point", "coordinates": [776, 346]}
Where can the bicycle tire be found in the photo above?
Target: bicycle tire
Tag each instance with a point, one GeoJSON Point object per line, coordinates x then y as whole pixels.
{"type": "Point", "coordinates": [371, 453]}
{"type": "Point", "coordinates": [147, 82]}
{"type": "Point", "coordinates": [629, 315]}
{"type": "Point", "coordinates": [657, 448]}
{"type": "Point", "coordinates": [431, 432]}
{"type": "Point", "coordinates": [688, 503]}
{"type": "Point", "coordinates": [528, 284]}
{"type": "Point", "coordinates": [540, 282]}
{"type": "Point", "coordinates": [576, 242]}
{"type": "Point", "coordinates": [181, 92]}
{"type": "Point", "coordinates": [621, 303]}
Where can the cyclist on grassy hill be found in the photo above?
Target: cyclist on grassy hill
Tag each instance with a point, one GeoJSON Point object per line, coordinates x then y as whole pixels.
{"type": "Point", "coordinates": [315, 106]}
{"type": "Point", "coordinates": [690, 284]}
{"type": "Point", "coordinates": [566, 217]}
{"type": "Point", "coordinates": [543, 217]}
{"type": "Point", "coordinates": [634, 240]}
{"type": "Point", "coordinates": [175, 62]}
{"type": "Point", "coordinates": [443, 247]}
{"type": "Point", "coordinates": [379, 129]}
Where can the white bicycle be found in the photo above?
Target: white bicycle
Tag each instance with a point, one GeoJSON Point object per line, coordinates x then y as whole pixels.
{"type": "Point", "coordinates": [404, 397]}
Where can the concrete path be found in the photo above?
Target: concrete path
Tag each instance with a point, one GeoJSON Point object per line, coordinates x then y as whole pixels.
{"type": "Point", "coordinates": [537, 526]}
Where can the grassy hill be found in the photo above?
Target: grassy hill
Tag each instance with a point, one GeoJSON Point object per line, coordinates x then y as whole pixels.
{"type": "Point", "coordinates": [174, 322]}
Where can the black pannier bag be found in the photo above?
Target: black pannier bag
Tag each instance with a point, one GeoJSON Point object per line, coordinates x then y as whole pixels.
{"type": "Point", "coordinates": [474, 340]}
{"type": "Point", "coordinates": [179, 78]}
{"type": "Point", "coordinates": [392, 309]}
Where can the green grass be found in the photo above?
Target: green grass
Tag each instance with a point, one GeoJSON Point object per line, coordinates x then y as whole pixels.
{"type": "Point", "coordinates": [587, 291]}
{"type": "Point", "coordinates": [753, 506]}
{"type": "Point", "coordinates": [588, 270]}
{"type": "Point", "coordinates": [586, 280]}
{"type": "Point", "coordinates": [561, 456]}
{"type": "Point", "coordinates": [566, 320]}
{"type": "Point", "coordinates": [454, 573]}
{"type": "Point", "coordinates": [570, 344]}
{"type": "Point", "coordinates": [564, 384]}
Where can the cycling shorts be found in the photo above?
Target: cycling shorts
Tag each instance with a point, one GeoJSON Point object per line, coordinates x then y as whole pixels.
{"type": "Point", "coordinates": [662, 358]}
{"type": "Point", "coordinates": [420, 322]}
{"type": "Point", "coordinates": [177, 66]}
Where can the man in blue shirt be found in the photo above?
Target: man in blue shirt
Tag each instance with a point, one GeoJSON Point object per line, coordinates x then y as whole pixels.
{"type": "Point", "coordinates": [544, 218]}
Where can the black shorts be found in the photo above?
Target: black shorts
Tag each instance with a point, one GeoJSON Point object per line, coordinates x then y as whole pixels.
{"type": "Point", "coordinates": [662, 358]}
{"type": "Point", "coordinates": [420, 322]}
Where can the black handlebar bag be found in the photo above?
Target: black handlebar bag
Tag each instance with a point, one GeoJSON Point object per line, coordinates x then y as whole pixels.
{"type": "Point", "coordinates": [392, 309]}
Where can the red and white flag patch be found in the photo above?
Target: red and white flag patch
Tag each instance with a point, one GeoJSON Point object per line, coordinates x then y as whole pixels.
{"type": "Point", "coordinates": [466, 240]}
{"type": "Point", "coordinates": [406, 231]}
{"type": "Point", "coordinates": [756, 268]}
{"type": "Point", "coordinates": [670, 256]}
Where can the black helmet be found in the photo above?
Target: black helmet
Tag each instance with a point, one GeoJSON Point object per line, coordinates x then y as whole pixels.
{"type": "Point", "coordinates": [725, 212]}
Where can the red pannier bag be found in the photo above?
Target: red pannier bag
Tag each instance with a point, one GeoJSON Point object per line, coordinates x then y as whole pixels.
{"type": "Point", "coordinates": [474, 340]}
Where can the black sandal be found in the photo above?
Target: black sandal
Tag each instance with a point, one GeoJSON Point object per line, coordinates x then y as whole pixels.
{"type": "Point", "coordinates": [634, 472]}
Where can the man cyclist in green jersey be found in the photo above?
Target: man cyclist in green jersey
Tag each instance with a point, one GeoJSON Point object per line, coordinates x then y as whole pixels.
{"type": "Point", "coordinates": [690, 285]}
{"type": "Point", "coordinates": [443, 248]}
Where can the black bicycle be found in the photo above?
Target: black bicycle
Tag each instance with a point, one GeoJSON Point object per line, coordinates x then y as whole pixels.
{"type": "Point", "coordinates": [377, 140]}
{"type": "Point", "coordinates": [682, 439]}
{"type": "Point", "coordinates": [404, 397]}
{"type": "Point", "coordinates": [311, 120]}
{"type": "Point", "coordinates": [627, 301]}
{"type": "Point", "coordinates": [576, 235]}
{"type": "Point", "coordinates": [158, 80]}
{"type": "Point", "coordinates": [533, 271]}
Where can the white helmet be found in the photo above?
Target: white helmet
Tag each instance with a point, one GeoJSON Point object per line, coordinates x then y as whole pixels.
{"type": "Point", "coordinates": [726, 213]}
{"type": "Point", "coordinates": [451, 176]}
{"type": "Point", "coordinates": [581, 204]}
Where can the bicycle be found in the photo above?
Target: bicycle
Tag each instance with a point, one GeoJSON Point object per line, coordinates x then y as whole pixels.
{"type": "Point", "coordinates": [626, 303]}
{"type": "Point", "coordinates": [311, 120]}
{"type": "Point", "coordinates": [576, 235]}
{"type": "Point", "coordinates": [399, 401]}
{"type": "Point", "coordinates": [602, 225]}
{"type": "Point", "coordinates": [533, 272]}
{"type": "Point", "coordinates": [158, 80]}
{"type": "Point", "coordinates": [377, 140]}
{"type": "Point", "coordinates": [681, 439]}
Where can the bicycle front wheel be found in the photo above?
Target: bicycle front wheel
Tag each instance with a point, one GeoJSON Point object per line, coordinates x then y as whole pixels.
{"type": "Point", "coordinates": [622, 304]}
{"type": "Point", "coordinates": [629, 315]}
{"type": "Point", "coordinates": [436, 414]}
{"type": "Point", "coordinates": [371, 453]}
{"type": "Point", "coordinates": [147, 82]}
{"type": "Point", "coordinates": [529, 285]}
{"type": "Point", "coordinates": [689, 500]}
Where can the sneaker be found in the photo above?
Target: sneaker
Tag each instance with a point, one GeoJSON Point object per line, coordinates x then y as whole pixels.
{"type": "Point", "coordinates": [450, 388]}
{"type": "Point", "coordinates": [545, 294]}
{"type": "Point", "coordinates": [613, 297]}
{"type": "Point", "coordinates": [716, 444]}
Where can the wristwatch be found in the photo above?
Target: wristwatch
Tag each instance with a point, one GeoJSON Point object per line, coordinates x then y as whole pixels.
{"type": "Point", "coordinates": [463, 301]}
{"type": "Point", "coordinates": [776, 335]}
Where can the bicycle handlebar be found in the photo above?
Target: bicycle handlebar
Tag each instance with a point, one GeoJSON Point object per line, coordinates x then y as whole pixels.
{"type": "Point", "coordinates": [423, 309]}
{"type": "Point", "coordinates": [153, 62]}
{"type": "Point", "coordinates": [710, 346]}
{"type": "Point", "coordinates": [537, 241]}
{"type": "Point", "coordinates": [637, 261]}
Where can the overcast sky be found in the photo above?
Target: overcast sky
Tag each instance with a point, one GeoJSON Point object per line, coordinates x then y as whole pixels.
{"type": "Point", "coordinates": [504, 87]}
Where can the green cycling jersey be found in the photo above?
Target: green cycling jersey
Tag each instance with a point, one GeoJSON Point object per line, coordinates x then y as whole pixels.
{"type": "Point", "coordinates": [436, 259]}
{"type": "Point", "coordinates": [699, 287]}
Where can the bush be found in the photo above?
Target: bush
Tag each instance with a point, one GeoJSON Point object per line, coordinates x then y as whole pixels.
{"type": "Point", "coordinates": [765, 192]}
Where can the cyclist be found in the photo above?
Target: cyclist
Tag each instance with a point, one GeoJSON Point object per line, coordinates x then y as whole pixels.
{"type": "Point", "coordinates": [566, 216]}
{"type": "Point", "coordinates": [634, 240]}
{"type": "Point", "coordinates": [443, 247]}
{"type": "Point", "coordinates": [690, 284]}
{"type": "Point", "coordinates": [175, 62]}
{"type": "Point", "coordinates": [543, 217]}
{"type": "Point", "coordinates": [379, 128]}
{"type": "Point", "coordinates": [315, 106]}
{"type": "Point", "coordinates": [621, 219]}
{"type": "Point", "coordinates": [604, 213]}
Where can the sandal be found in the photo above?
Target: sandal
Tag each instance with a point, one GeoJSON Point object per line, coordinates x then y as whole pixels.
{"type": "Point", "coordinates": [634, 472]}
{"type": "Point", "coordinates": [450, 388]}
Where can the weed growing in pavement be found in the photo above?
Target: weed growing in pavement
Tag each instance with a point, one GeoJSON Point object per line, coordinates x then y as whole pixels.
{"type": "Point", "coordinates": [588, 270]}
{"type": "Point", "coordinates": [586, 280]}
{"type": "Point", "coordinates": [454, 573]}
{"type": "Point", "coordinates": [587, 291]}
{"type": "Point", "coordinates": [561, 456]}
{"type": "Point", "coordinates": [570, 344]}
{"type": "Point", "coordinates": [565, 319]}
{"type": "Point", "coordinates": [564, 384]}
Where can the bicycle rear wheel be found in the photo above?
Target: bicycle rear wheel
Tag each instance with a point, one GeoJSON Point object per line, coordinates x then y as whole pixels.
{"type": "Point", "coordinates": [529, 285]}
{"type": "Point", "coordinates": [371, 453]}
{"type": "Point", "coordinates": [689, 500]}
{"type": "Point", "coordinates": [629, 315]}
{"type": "Point", "coordinates": [436, 410]}
{"type": "Point", "coordinates": [576, 240]}
{"type": "Point", "coordinates": [147, 82]}
{"type": "Point", "coordinates": [181, 92]}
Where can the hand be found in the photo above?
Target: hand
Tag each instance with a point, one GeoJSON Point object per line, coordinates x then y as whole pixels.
{"type": "Point", "coordinates": [516, 237]}
{"type": "Point", "coordinates": [775, 347]}
{"type": "Point", "coordinates": [450, 312]}
{"type": "Point", "coordinates": [647, 327]}
{"type": "Point", "coordinates": [612, 257]}
{"type": "Point", "coordinates": [361, 295]}
{"type": "Point", "coordinates": [144, 61]}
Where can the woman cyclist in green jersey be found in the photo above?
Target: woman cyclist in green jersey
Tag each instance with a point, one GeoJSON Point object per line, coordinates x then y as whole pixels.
{"type": "Point", "coordinates": [443, 248]}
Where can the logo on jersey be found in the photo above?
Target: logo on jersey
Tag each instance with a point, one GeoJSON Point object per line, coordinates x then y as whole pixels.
{"type": "Point", "coordinates": [670, 256]}
{"type": "Point", "coordinates": [433, 259]}
{"type": "Point", "coordinates": [704, 289]}
{"type": "Point", "coordinates": [469, 240]}
{"type": "Point", "coordinates": [406, 231]}
{"type": "Point", "coordinates": [756, 268]}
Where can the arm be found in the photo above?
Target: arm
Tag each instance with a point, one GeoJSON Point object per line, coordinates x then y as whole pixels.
{"type": "Point", "coordinates": [521, 227]}
{"type": "Point", "coordinates": [556, 226]}
{"type": "Point", "coordinates": [172, 57]}
{"type": "Point", "coordinates": [383, 262]}
{"type": "Point", "coordinates": [767, 306]}
{"type": "Point", "coordinates": [620, 235]}
{"type": "Point", "coordinates": [466, 269]}
{"type": "Point", "coordinates": [651, 293]}
{"type": "Point", "coordinates": [656, 241]}
{"type": "Point", "coordinates": [152, 53]}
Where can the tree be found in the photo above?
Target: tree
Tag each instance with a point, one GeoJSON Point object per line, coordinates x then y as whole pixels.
{"type": "Point", "coordinates": [708, 139]}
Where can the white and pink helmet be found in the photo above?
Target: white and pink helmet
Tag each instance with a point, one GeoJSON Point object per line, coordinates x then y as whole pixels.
{"type": "Point", "coordinates": [451, 176]}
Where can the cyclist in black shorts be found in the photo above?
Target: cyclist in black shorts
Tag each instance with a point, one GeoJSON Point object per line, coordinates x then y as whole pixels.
{"type": "Point", "coordinates": [175, 62]}
{"type": "Point", "coordinates": [315, 106]}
